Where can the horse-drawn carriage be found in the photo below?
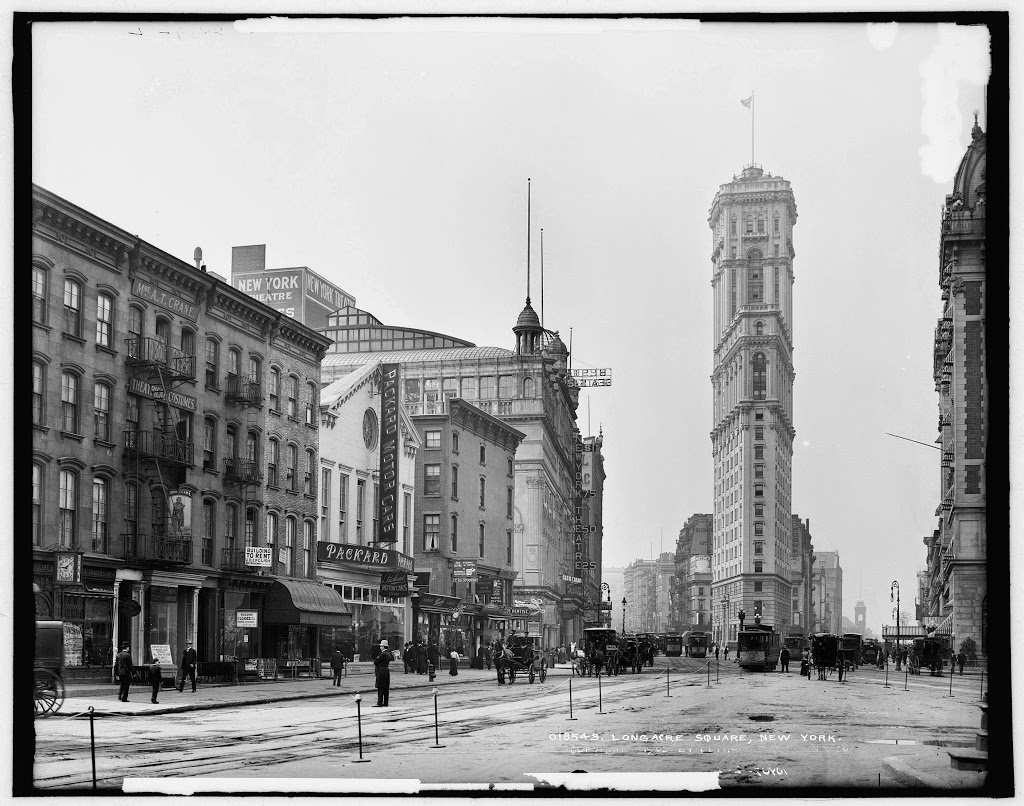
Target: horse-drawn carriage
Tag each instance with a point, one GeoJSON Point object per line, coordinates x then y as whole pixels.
{"type": "Point", "coordinates": [826, 654]}
{"type": "Point", "coordinates": [648, 645]}
{"type": "Point", "coordinates": [600, 650]}
{"type": "Point", "coordinates": [929, 653]}
{"type": "Point", "coordinates": [630, 654]}
{"type": "Point", "coordinates": [521, 654]}
{"type": "Point", "coordinates": [49, 667]}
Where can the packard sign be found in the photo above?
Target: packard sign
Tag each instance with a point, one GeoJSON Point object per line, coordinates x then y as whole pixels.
{"type": "Point", "coordinates": [394, 584]}
{"type": "Point", "coordinates": [363, 557]}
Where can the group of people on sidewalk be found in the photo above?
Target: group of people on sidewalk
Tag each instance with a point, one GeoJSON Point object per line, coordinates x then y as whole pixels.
{"type": "Point", "coordinates": [123, 672]}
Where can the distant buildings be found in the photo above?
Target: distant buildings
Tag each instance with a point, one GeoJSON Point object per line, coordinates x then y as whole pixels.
{"type": "Point", "coordinates": [751, 220]}
{"type": "Point", "coordinates": [827, 592]}
{"type": "Point", "coordinates": [691, 606]}
{"type": "Point", "coordinates": [954, 592]}
{"type": "Point", "coordinates": [801, 571]}
{"type": "Point", "coordinates": [647, 585]}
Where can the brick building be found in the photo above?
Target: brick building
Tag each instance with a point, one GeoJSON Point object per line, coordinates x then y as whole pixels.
{"type": "Point", "coordinates": [801, 572]}
{"type": "Point", "coordinates": [156, 451]}
{"type": "Point", "coordinates": [692, 601]}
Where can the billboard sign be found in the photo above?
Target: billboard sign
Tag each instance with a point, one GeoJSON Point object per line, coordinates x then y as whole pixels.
{"type": "Point", "coordinates": [387, 503]}
{"type": "Point", "coordinates": [281, 289]}
{"type": "Point", "coordinates": [700, 564]}
{"type": "Point", "coordinates": [592, 377]}
{"type": "Point", "coordinates": [181, 514]}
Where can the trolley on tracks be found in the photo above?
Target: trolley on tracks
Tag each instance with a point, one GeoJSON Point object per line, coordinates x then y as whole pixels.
{"type": "Point", "coordinates": [673, 645]}
{"type": "Point", "coordinates": [49, 667]}
{"type": "Point", "coordinates": [698, 643]}
{"type": "Point", "coordinates": [522, 656]}
{"type": "Point", "coordinates": [757, 647]}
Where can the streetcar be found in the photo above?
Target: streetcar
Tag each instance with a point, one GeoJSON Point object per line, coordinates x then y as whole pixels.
{"type": "Point", "coordinates": [796, 643]}
{"type": "Point", "coordinates": [698, 643]}
{"type": "Point", "coordinates": [757, 648]}
{"type": "Point", "coordinates": [673, 645]}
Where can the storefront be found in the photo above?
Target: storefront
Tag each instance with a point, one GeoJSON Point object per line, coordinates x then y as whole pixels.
{"type": "Point", "coordinates": [434, 616]}
{"type": "Point", "coordinates": [294, 613]}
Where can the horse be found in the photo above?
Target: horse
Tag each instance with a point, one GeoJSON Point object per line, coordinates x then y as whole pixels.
{"type": "Point", "coordinates": [578, 659]}
{"type": "Point", "coordinates": [501, 655]}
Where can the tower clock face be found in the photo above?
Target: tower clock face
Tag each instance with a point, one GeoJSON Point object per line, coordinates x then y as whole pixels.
{"type": "Point", "coordinates": [370, 429]}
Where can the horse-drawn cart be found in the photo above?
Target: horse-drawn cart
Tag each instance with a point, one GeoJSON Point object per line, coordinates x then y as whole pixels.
{"type": "Point", "coordinates": [521, 655]}
{"type": "Point", "coordinates": [49, 667]}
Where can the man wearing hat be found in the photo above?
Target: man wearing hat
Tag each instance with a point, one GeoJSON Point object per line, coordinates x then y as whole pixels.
{"type": "Point", "coordinates": [383, 674]}
{"type": "Point", "coordinates": [123, 672]}
{"type": "Point", "coordinates": [188, 666]}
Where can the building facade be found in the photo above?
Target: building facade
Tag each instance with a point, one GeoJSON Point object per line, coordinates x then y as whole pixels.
{"type": "Point", "coordinates": [752, 221]}
{"type": "Point", "coordinates": [372, 578]}
{"type": "Point", "coordinates": [648, 585]}
{"type": "Point", "coordinates": [801, 573]}
{"type": "Point", "coordinates": [955, 600]}
{"type": "Point", "coordinates": [692, 599]}
{"type": "Point", "coordinates": [152, 431]}
{"type": "Point", "coordinates": [530, 390]}
{"type": "Point", "coordinates": [827, 590]}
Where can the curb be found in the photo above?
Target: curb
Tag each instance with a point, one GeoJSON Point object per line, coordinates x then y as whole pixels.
{"type": "Point", "coordinates": [900, 769]}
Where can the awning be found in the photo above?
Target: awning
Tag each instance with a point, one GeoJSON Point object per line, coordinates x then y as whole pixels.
{"type": "Point", "coordinates": [294, 601]}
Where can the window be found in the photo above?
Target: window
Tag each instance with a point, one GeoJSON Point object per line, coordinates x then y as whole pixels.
{"type": "Point", "coordinates": [376, 512]}
{"type": "Point", "coordinates": [208, 526]}
{"type": "Point", "coordinates": [759, 451]}
{"type": "Point", "coordinates": [749, 228]}
{"type": "Point", "coordinates": [455, 441]}
{"type": "Point", "coordinates": [406, 510]}
{"type": "Point", "coordinates": [758, 510]}
{"type": "Point", "coordinates": [758, 566]}
{"type": "Point", "coordinates": [481, 540]}
{"type": "Point", "coordinates": [311, 404]}
{"type": "Point", "coordinates": [234, 363]}
{"type": "Point", "coordinates": [433, 439]}
{"type": "Point", "coordinates": [755, 279]}
{"type": "Point", "coordinates": [508, 546]}
{"type": "Point", "coordinates": [432, 479]}
{"type": "Point", "coordinates": [293, 395]}
{"type": "Point", "coordinates": [69, 402]}
{"type": "Point", "coordinates": [528, 387]}
{"type": "Point", "coordinates": [288, 558]}
{"type": "Point", "coordinates": [759, 544]}
{"type": "Point", "coordinates": [732, 227]}
{"type": "Point", "coordinates": [431, 531]}
{"type": "Point", "coordinates": [307, 546]}
{"type": "Point", "coordinates": [163, 338]}
{"type": "Point", "coordinates": [360, 508]}
{"type": "Point", "coordinates": [468, 389]}
{"type": "Point", "coordinates": [758, 607]}
{"type": "Point", "coordinates": [455, 482]}
{"type": "Point", "coordinates": [759, 432]}
{"type": "Point", "coordinates": [758, 415]}
{"type": "Point", "coordinates": [342, 506]}
{"type": "Point", "coordinates": [510, 468]}
{"type": "Point", "coordinates": [758, 586]}
{"type": "Point", "coordinates": [40, 291]}
{"type": "Point", "coordinates": [209, 444]}
{"type": "Point", "coordinates": [273, 457]}
{"type": "Point", "coordinates": [325, 507]}
{"type": "Point", "coordinates": [255, 370]}
{"type": "Point", "coordinates": [188, 347]}
{"type": "Point", "coordinates": [486, 388]}
{"type": "Point", "coordinates": [104, 320]}
{"type": "Point", "coordinates": [775, 225]}
{"type": "Point", "coordinates": [68, 508]}
{"type": "Point", "coordinates": [38, 392]}
{"type": "Point", "coordinates": [449, 388]}
{"type": "Point", "coordinates": [506, 386]}
{"type": "Point", "coordinates": [231, 528]}
{"type": "Point", "coordinates": [759, 328]}
{"type": "Point", "coordinates": [760, 376]}
{"type": "Point", "coordinates": [483, 454]}
{"type": "Point", "coordinates": [250, 527]}
{"type": "Point", "coordinates": [100, 488]}
{"type": "Point", "coordinates": [212, 350]}
{"type": "Point", "coordinates": [72, 307]}
{"type": "Point", "coordinates": [231, 448]}
{"type": "Point", "coordinates": [483, 492]}
{"type": "Point", "coordinates": [272, 540]}
{"type": "Point", "coordinates": [136, 320]}
{"type": "Point", "coordinates": [455, 534]}
{"type": "Point", "coordinates": [307, 483]}
{"type": "Point", "coordinates": [275, 389]}
{"type": "Point", "coordinates": [758, 471]}
{"type": "Point", "coordinates": [759, 490]}
{"type": "Point", "coordinates": [775, 247]}
{"type": "Point", "coordinates": [508, 503]}
{"type": "Point", "coordinates": [37, 504]}
{"type": "Point", "coordinates": [760, 226]}
{"type": "Point", "coordinates": [101, 412]}
{"type": "Point", "coordinates": [293, 467]}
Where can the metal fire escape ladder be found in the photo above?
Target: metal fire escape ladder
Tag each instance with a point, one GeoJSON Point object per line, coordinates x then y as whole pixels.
{"type": "Point", "coordinates": [244, 471]}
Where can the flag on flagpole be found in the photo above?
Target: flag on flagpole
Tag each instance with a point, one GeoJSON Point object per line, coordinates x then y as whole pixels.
{"type": "Point", "coordinates": [747, 101]}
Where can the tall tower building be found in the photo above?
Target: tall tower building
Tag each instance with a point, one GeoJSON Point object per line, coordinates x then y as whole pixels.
{"type": "Point", "coordinates": [860, 617]}
{"type": "Point", "coordinates": [752, 220]}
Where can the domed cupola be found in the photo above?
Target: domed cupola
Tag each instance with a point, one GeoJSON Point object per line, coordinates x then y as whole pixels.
{"type": "Point", "coordinates": [528, 331]}
{"type": "Point", "coordinates": [969, 185]}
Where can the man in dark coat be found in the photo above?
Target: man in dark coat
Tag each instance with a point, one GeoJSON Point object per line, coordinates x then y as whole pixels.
{"type": "Point", "coordinates": [784, 659]}
{"type": "Point", "coordinates": [382, 674]}
{"type": "Point", "coordinates": [421, 658]}
{"type": "Point", "coordinates": [434, 656]}
{"type": "Point", "coordinates": [961, 659]}
{"type": "Point", "coordinates": [188, 666]}
{"type": "Point", "coordinates": [337, 665]}
{"type": "Point", "coordinates": [123, 672]}
{"type": "Point", "coordinates": [410, 657]}
{"type": "Point", "coordinates": [156, 675]}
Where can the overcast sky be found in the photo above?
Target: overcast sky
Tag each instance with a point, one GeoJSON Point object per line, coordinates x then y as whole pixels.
{"type": "Point", "coordinates": [392, 158]}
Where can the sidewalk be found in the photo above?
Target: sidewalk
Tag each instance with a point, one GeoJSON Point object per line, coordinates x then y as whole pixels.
{"type": "Point", "coordinates": [359, 679]}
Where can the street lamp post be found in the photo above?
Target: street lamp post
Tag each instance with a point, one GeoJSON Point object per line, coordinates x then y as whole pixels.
{"type": "Point", "coordinates": [896, 587]}
{"type": "Point", "coordinates": [623, 615]}
{"type": "Point", "coordinates": [608, 589]}
{"type": "Point", "coordinates": [725, 621]}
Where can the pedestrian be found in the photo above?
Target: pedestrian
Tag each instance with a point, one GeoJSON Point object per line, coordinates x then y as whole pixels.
{"type": "Point", "coordinates": [382, 674]}
{"type": "Point", "coordinates": [337, 665]}
{"type": "Point", "coordinates": [412, 658]}
{"type": "Point", "coordinates": [156, 675]}
{"type": "Point", "coordinates": [453, 669]}
{"type": "Point", "coordinates": [188, 667]}
{"type": "Point", "coordinates": [421, 657]}
{"type": "Point", "coordinates": [784, 659]}
{"type": "Point", "coordinates": [727, 652]}
{"type": "Point", "coordinates": [716, 651]}
{"type": "Point", "coordinates": [961, 659]}
{"type": "Point", "coordinates": [434, 657]}
{"type": "Point", "coordinates": [686, 649]}
{"type": "Point", "coordinates": [804, 663]}
{"type": "Point", "coordinates": [123, 672]}
{"type": "Point", "coordinates": [488, 655]}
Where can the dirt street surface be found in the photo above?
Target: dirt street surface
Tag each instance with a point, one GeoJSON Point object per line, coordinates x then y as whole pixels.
{"type": "Point", "coordinates": [747, 730]}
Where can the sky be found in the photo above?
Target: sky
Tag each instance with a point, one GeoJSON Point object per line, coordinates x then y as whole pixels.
{"type": "Point", "coordinates": [392, 158]}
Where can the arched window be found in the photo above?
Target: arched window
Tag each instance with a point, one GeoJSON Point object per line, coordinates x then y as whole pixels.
{"type": "Point", "coordinates": [528, 387]}
{"type": "Point", "coordinates": [212, 360]}
{"type": "Point", "coordinates": [234, 362]}
{"type": "Point", "coordinates": [101, 412]}
{"type": "Point", "coordinates": [255, 370]}
{"type": "Point", "coordinates": [760, 376]}
{"type": "Point", "coordinates": [72, 307]}
{"type": "Point", "coordinates": [38, 392]}
{"type": "Point", "coordinates": [273, 458]}
{"type": "Point", "coordinates": [275, 389]}
{"type": "Point", "coordinates": [69, 402]}
{"type": "Point", "coordinates": [209, 525]}
{"type": "Point", "coordinates": [289, 546]}
{"type": "Point", "coordinates": [759, 328]}
{"type": "Point", "coordinates": [104, 320]}
{"type": "Point", "coordinates": [40, 293]}
{"type": "Point", "coordinates": [67, 522]}
{"type": "Point", "coordinates": [311, 404]}
{"type": "Point", "coordinates": [293, 465]}
{"type": "Point", "coordinates": [307, 482]}
{"type": "Point", "coordinates": [136, 323]}
{"type": "Point", "coordinates": [455, 534]}
{"type": "Point", "coordinates": [37, 504]}
{"type": "Point", "coordinates": [293, 395]}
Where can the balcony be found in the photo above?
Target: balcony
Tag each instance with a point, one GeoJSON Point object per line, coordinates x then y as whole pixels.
{"type": "Point", "coordinates": [234, 560]}
{"type": "Point", "coordinates": [164, 447]}
{"type": "Point", "coordinates": [242, 471]}
{"type": "Point", "coordinates": [245, 391]}
{"type": "Point", "coordinates": [157, 356]}
{"type": "Point", "coordinates": [959, 224]}
{"type": "Point", "coordinates": [157, 550]}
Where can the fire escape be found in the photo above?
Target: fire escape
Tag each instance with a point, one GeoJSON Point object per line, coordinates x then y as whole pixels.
{"type": "Point", "coordinates": [159, 456]}
{"type": "Point", "coordinates": [243, 472]}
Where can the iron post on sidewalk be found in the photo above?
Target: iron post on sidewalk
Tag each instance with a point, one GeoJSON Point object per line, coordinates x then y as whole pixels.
{"type": "Point", "coordinates": [668, 689]}
{"type": "Point", "coordinates": [571, 717]}
{"type": "Point", "coordinates": [437, 742]}
{"type": "Point", "coordinates": [92, 744]}
{"type": "Point", "coordinates": [981, 693]}
{"type": "Point", "coordinates": [359, 720]}
{"type": "Point", "coordinates": [599, 705]}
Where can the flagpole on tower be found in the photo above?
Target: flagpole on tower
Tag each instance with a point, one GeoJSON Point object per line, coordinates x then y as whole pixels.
{"type": "Point", "coordinates": [749, 104]}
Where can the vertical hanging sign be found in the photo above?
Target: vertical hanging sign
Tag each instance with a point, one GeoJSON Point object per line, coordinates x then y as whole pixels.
{"type": "Point", "coordinates": [389, 432]}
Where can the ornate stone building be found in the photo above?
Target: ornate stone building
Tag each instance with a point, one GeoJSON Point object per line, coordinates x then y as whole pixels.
{"type": "Point", "coordinates": [801, 572]}
{"type": "Point", "coordinates": [751, 220]}
{"type": "Point", "coordinates": [954, 594]}
{"type": "Point", "coordinates": [692, 601]}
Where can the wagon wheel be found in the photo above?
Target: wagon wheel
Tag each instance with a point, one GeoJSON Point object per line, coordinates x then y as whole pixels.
{"type": "Point", "coordinates": [543, 670]}
{"type": "Point", "coordinates": [49, 692]}
{"type": "Point", "coordinates": [532, 671]}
